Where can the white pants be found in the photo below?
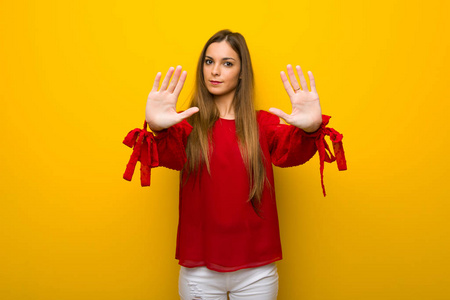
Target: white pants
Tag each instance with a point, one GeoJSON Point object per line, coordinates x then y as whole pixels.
{"type": "Point", "coordinates": [260, 283]}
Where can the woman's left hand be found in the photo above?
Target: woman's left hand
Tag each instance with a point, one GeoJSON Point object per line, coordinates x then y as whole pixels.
{"type": "Point", "coordinates": [306, 112]}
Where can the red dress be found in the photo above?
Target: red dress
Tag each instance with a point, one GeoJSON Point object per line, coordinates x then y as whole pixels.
{"type": "Point", "coordinates": [218, 227]}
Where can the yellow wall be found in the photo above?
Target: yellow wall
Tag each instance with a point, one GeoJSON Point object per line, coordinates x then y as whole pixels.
{"type": "Point", "coordinates": [74, 79]}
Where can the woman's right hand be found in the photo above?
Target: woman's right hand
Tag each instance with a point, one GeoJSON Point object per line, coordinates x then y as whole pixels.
{"type": "Point", "coordinates": [160, 112]}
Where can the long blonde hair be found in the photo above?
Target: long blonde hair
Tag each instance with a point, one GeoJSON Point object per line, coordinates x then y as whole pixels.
{"type": "Point", "coordinates": [199, 145]}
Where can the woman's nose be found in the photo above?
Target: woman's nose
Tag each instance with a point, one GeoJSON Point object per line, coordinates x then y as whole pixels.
{"type": "Point", "coordinates": [215, 70]}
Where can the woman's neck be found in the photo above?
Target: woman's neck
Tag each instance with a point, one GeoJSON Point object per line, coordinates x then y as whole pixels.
{"type": "Point", "coordinates": [224, 105]}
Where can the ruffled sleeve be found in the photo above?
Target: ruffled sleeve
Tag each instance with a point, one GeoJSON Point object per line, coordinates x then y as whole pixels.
{"type": "Point", "coordinates": [167, 149]}
{"type": "Point", "coordinates": [291, 146]}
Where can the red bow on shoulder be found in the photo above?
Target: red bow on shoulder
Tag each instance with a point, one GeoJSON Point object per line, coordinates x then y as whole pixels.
{"type": "Point", "coordinates": [144, 150]}
{"type": "Point", "coordinates": [325, 154]}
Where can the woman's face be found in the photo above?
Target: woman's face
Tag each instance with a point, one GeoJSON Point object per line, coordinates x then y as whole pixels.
{"type": "Point", "coordinates": [221, 69]}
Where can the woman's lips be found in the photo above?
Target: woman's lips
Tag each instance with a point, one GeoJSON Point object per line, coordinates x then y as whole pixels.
{"type": "Point", "coordinates": [213, 82]}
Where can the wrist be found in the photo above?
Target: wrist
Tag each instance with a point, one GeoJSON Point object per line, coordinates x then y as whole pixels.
{"type": "Point", "coordinates": [312, 128]}
{"type": "Point", "coordinates": [152, 126]}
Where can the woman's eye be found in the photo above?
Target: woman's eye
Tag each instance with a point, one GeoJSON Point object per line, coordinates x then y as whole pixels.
{"type": "Point", "coordinates": [228, 64]}
{"type": "Point", "coordinates": [208, 61]}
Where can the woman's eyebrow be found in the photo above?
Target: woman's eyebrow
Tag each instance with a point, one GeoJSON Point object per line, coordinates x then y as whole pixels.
{"type": "Point", "coordinates": [225, 58]}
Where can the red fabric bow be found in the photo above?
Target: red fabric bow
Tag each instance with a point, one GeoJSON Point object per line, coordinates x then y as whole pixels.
{"type": "Point", "coordinates": [325, 154]}
{"type": "Point", "coordinates": [144, 150]}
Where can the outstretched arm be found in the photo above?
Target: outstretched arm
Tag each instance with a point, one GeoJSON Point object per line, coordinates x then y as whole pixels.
{"type": "Point", "coordinates": [160, 112]}
{"type": "Point", "coordinates": [306, 112]}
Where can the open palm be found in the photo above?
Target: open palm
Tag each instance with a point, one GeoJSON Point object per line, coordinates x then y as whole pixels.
{"type": "Point", "coordinates": [160, 112]}
{"type": "Point", "coordinates": [306, 111]}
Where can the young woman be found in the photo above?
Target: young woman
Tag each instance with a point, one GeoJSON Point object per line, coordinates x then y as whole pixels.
{"type": "Point", "coordinates": [228, 236]}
